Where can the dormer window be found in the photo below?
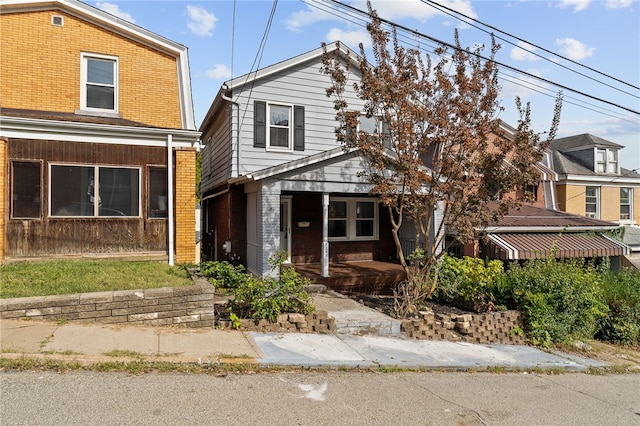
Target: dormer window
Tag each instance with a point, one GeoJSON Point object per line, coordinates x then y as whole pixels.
{"type": "Point", "coordinates": [606, 160]}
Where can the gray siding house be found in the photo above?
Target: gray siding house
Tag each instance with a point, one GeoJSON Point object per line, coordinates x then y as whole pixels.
{"type": "Point", "coordinates": [275, 178]}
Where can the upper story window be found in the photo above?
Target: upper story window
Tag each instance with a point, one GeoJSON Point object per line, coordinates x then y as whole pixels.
{"type": "Point", "coordinates": [99, 87]}
{"type": "Point", "coordinates": [592, 202]}
{"type": "Point", "coordinates": [375, 126]}
{"type": "Point", "coordinates": [278, 127]}
{"type": "Point", "coordinates": [626, 203]}
{"type": "Point", "coordinates": [606, 160]}
{"type": "Point", "coordinates": [353, 219]}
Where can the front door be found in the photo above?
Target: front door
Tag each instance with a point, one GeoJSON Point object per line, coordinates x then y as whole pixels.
{"type": "Point", "coordinates": [285, 226]}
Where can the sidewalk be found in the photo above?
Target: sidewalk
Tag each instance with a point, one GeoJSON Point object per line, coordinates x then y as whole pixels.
{"type": "Point", "coordinates": [384, 346]}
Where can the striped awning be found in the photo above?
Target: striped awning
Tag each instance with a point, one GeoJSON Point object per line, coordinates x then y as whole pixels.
{"type": "Point", "coordinates": [522, 246]}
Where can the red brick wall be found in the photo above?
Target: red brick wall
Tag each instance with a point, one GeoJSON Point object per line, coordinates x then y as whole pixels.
{"type": "Point", "coordinates": [226, 216]}
{"type": "Point", "coordinates": [307, 242]}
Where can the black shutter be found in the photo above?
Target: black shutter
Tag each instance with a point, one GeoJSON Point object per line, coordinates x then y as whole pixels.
{"type": "Point", "coordinates": [259, 124]}
{"type": "Point", "coordinates": [298, 128]}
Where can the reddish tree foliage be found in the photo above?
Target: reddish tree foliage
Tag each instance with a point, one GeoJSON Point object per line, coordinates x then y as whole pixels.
{"type": "Point", "coordinates": [440, 151]}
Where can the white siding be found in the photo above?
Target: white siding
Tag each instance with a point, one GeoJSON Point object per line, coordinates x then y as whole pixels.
{"type": "Point", "coordinates": [301, 85]}
{"type": "Point", "coordinates": [217, 156]}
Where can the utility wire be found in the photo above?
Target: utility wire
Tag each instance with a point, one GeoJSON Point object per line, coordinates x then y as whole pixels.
{"type": "Point", "coordinates": [439, 6]}
{"type": "Point", "coordinates": [451, 46]}
{"type": "Point", "coordinates": [352, 18]}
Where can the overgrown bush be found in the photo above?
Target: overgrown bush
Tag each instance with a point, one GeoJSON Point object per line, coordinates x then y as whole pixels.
{"type": "Point", "coordinates": [266, 298]}
{"type": "Point", "coordinates": [559, 300]}
{"type": "Point", "coordinates": [470, 283]}
{"type": "Point", "coordinates": [621, 293]}
{"type": "Point", "coordinates": [224, 274]}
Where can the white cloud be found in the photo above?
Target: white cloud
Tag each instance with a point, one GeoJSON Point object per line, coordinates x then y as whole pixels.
{"type": "Point", "coordinates": [391, 10]}
{"type": "Point", "coordinates": [618, 4]}
{"type": "Point", "coordinates": [303, 18]}
{"type": "Point", "coordinates": [350, 38]}
{"type": "Point", "coordinates": [523, 52]}
{"type": "Point", "coordinates": [219, 72]}
{"type": "Point", "coordinates": [201, 22]}
{"type": "Point", "coordinates": [114, 9]}
{"type": "Point", "coordinates": [577, 5]}
{"type": "Point", "coordinates": [574, 49]}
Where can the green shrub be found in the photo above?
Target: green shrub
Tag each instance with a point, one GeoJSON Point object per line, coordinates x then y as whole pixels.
{"type": "Point", "coordinates": [223, 274]}
{"type": "Point", "coordinates": [266, 298]}
{"type": "Point", "coordinates": [470, 283]}
{"type": "Point", "coordinates": [621, 291]}
{"type": "Point", "coordinates": [559, 300]}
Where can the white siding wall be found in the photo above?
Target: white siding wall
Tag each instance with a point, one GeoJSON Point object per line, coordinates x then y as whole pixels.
{"type": "Point", "coordinates": [301, 85]}
{"type": "Point", "coordinates": [218, 156]}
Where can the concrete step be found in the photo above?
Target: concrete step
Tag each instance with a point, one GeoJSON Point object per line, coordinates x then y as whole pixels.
{"type": "Point", "coordinates": [355, 318]}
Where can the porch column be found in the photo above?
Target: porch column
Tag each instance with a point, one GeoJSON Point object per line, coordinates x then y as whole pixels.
{"type": "Point", "coordinates": [325, 234]}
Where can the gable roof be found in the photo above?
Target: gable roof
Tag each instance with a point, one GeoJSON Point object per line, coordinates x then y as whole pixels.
{"type": "Point", "coordinates": [292, 62]}
{"type": "Point", "coordinates": [228, 86]}
{"type": "Point", "coordinates": [529, 218]}
{"type": "Point", "coordinates": [125, 29]}
{"type": "Point", "coordinates": [585, 140]}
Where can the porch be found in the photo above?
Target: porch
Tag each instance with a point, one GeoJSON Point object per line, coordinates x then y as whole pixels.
{"type": "Point", "coordinates": [369, 277]}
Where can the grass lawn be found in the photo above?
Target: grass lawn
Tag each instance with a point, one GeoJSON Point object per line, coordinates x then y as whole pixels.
{"type": "Point", "coordinates": [44, 278]}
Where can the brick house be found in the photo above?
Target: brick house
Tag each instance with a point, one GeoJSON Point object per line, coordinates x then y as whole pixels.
{"type": "Point", "coordinates": [97, 136]}
{"type": "Point", "coordinates": [591, 182]}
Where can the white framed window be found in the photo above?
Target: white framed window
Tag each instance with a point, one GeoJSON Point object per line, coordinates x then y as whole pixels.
{"type": "Point", "coordinates": [99, 83]}
{"type": "Point", "coordinates": [353, 219]}
{"type": "Point", "coordinates": [626, 203]}
{"type": "Point", "coordinates": [280, 134]}
{"type": "Point", "coordinates": [606, 160]}
{"type": "Point", "coordinates": [592, 204]}
{"type": "Point", "coordinates": [375, 126]}
{"type": "Point", "coordinates": [94, 191]}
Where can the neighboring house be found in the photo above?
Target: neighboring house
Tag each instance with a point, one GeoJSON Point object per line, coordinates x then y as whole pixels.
{"type": "Point", "coordinates": [275, 178]}
{"type": "Point", "coordinates": [97, 136]}
{"type": "Point", "coordinates": [591, 182]}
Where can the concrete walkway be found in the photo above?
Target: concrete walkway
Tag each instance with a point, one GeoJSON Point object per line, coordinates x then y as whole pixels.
{"type": "Point", "coordinates": [365, 338]}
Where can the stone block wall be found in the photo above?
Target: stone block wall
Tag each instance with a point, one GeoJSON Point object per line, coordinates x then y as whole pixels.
{"type": "Point", "coordinates": [191, 306]}
{"type": "Point", "coordinates": [317, 322]}
{"type": "Point", "coordinates": [492, 327]}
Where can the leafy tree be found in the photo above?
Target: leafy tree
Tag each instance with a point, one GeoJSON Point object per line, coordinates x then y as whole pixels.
{"type": "Point", "coordinates": [440, 148]}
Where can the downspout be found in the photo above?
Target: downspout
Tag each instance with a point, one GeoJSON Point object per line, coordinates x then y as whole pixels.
{"type": "Point", "coordinates": [170, 203]}
{"type": "Point", "coordinates": [235, 137]}
{"type": "Point", "coordinates": [235, 133]}
{"type": "Point", "coordinates": [325, 235]}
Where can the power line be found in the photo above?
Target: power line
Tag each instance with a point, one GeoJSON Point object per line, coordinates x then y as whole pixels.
{"type": "Point", "coordinates": [451, 46]}
{"type": "Point", "coordinates": [439, 6]}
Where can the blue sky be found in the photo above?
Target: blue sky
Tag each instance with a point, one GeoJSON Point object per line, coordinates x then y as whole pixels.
{"type": "Point", "coordinates": [598, 43]}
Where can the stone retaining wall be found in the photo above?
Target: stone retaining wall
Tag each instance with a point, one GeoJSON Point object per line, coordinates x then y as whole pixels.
{"type": "Point", "coordinates": [493, 327]}
{"type": "Point", "coordinates": [317, 322]}
{"type": "Point", "coordinates": [191, 305]}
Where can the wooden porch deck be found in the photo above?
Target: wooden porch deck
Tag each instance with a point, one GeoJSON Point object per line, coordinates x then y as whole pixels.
{"type": "Point", "coordinates": [369, 277]}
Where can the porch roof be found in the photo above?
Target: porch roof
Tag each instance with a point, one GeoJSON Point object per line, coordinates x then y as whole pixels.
{"type": "Point", "coordinates": [522, 246]}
